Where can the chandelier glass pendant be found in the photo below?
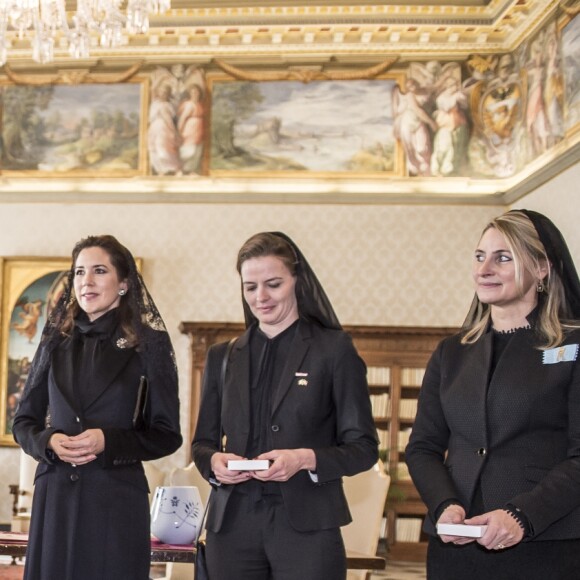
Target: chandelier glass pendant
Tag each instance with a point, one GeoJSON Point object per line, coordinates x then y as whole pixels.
{"type": "Point", "coordinates": [45, 23]}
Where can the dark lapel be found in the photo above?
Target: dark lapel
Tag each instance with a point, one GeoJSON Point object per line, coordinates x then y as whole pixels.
{"type": "Point", "coordinates": [238, 377]}
{"type": "Point", "coordinates": [116, 360]}
{"type": "Point", "coordinates": [62, 371]}
{"type": "Point", "coordinates": [63, 359]}
{"type": "Point", "coordinates": [300, 345]}
{"type": "Point", "coordinates": [477, 367]}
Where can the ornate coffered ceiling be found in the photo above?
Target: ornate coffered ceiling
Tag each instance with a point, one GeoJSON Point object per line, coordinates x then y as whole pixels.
{"type": "Point", "coordinates": [278, 31]}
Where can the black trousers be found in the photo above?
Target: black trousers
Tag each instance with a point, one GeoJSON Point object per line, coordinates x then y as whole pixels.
{"type": "Point", "coordinates": [549, 560]}
{"type": "Point", "coordinates": [257, 542]}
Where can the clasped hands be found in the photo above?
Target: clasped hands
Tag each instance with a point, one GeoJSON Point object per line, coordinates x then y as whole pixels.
{"type": "Point", "coordinates": [284, 464]}
{"type": "Point", "coordinates": [503, 531]}
{"type": "Point", "coordinates": [78, 449]}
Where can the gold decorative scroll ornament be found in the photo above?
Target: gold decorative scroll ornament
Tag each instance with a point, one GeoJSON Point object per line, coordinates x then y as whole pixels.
{"type": "Point", "coordinates": [72, 76]}
{"type": "Point", "coordinates": [306, 75]}
{"type": "Point", "coordinates": [571, 11]}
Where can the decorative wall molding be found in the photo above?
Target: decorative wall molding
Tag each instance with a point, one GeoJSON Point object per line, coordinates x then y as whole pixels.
{"type": "Point", "coordinates": [72, 76]}
{"type": "Point", "coordinates": [196, 31]}
{"type": "Point", "coordinates": [450, 191]}
{"type": "Point", "coordinates": [306, 75]}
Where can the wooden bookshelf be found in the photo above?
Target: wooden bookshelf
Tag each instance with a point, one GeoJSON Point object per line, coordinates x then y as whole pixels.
{"type": "Point", "coordinates": [396, 358]}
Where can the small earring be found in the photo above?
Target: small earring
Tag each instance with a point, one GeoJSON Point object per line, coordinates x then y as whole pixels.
{"type": "Point", "coordinates": [539, 287]}
{"type": "Point", "coordinates": [123, 292]}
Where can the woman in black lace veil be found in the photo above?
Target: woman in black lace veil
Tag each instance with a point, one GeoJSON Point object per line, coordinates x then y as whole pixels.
{"type": "Point", "coordinates": [84, 418]}
{"type": "Point", "coordinates": [294, 395]}
{"type": "Point", "coordinates": [496, 440]}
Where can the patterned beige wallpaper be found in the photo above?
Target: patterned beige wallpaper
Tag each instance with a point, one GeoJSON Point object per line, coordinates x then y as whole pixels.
{"type": "Point", "coordinates": [559, 200]}
{"type": "Point", "coordinates": [385, 265]}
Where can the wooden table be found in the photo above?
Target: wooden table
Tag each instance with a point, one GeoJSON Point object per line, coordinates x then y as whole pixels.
{"type": "Point", "coordinates": [14, 544]}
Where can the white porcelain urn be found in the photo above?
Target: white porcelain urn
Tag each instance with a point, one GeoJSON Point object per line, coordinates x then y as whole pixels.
{"type": "Point", "coordinates": [176, 514]}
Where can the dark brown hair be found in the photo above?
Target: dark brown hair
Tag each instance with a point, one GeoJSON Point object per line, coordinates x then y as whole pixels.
{"type": "Point", "coordinates": [121, 259]}
{"type": "Point", "coordinates": [268, 244]}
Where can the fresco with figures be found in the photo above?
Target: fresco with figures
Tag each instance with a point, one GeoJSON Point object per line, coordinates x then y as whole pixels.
{"type": "Point", "coordinates": [30, 289]}
{"type": "Point", "coordinates": [484, 117]}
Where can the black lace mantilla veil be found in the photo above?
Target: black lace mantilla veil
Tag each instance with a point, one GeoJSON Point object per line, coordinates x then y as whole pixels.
{"type": "Point", "coordinates": [561, 261]}
{"type": "Point", "coordinates": [313, 303]}
{"type": "Point", "coordinates": [153, 339]}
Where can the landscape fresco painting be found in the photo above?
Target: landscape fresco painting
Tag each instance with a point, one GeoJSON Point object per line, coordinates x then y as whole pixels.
{"type": "Point", "coordinates": [322, 126]}
{"type": "Point", "coordinates": [80, 130]}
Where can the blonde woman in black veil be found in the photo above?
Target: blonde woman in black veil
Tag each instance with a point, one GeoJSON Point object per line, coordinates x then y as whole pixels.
{"type": "Point", "coordinates": [496, 440]}
{"type": "Point", "coordinates": [104, 341]}
{"type": "Point", "coordinates": [295, 394]}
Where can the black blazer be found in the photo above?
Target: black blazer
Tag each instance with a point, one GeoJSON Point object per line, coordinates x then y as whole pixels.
{"type": "Point", "coordinates": [519, 437]}
{"type": "Point", "coordinates": [331, 414]}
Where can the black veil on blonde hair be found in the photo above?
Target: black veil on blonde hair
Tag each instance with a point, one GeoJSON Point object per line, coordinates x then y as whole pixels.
{"type": "Point", "coordinates": [534, 241]}
{"type": "Point", "coordinates": [313, 303]}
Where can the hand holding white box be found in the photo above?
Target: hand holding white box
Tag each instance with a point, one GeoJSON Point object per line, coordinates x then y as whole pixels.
{"type": "Point", "coordinates": [248, 464]}
{"type": "Point", "coordinates": [461, 530]}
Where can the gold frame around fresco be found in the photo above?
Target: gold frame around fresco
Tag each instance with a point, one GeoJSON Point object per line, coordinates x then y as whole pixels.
{"type": "Point", "coordinates": [17, 276]}
{"type": "Point", "coordinates": [215, 79]}
{"type": "Point", "coordinates": [76, 159]}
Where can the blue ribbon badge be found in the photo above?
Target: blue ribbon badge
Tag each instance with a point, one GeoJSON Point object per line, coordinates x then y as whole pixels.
{"type": "Point", "coordinates": [566, 353]}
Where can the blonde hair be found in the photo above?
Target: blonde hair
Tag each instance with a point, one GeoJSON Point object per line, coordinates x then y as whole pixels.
{"type": "Point", "coordinates": [529, 255]}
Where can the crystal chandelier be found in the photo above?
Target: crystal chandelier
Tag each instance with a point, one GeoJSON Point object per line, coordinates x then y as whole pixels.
{"type": "Point", "coordinates": [45, 22]}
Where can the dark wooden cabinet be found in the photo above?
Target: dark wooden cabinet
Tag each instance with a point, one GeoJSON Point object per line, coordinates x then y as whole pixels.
{"type": "Point", "coordinates": [396, 359]}
{"type": "Point", "coordinates": [202, 335]}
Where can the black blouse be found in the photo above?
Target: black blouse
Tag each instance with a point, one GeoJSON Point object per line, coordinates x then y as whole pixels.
{"type": "Point", "coordinates": [268, 358]}
{"type": "Point", "coordinates": [91, 340]}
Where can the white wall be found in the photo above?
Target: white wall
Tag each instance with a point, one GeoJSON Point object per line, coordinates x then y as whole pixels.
{"type": "Point", "coordinates": [383, 264]}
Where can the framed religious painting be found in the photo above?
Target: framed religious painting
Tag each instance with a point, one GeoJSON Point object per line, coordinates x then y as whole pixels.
{"type": "Point", "coordinates": [30, 287]}
{"type": "Point", "coordinates": [84, 130]}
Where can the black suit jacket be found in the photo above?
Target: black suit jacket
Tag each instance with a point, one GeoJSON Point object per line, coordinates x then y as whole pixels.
{"type": "Point", "coordinates": [519, 437]}
{"type": "Point", "coordinates": [325, 408]}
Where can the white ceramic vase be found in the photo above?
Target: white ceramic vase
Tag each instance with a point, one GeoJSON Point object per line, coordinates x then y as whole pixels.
{"type": "Point", "coordinates": [176, 514]}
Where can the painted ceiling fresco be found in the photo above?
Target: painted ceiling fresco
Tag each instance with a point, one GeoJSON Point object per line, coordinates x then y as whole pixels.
{"type": "Point", "coordinates": [459, 100]}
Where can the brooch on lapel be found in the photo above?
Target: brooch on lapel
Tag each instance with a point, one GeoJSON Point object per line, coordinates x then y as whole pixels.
{"type": "Point", "coordinates": [302, 382]}
{"type": "Point", "coordinates": [566, 353]}
{"type": "Point", "coordinates": [121, 342]}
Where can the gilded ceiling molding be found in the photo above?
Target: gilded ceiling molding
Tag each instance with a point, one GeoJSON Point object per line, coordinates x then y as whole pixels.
{"type": "Point", "coordinates": [206, 13]}
{"type": "Point", "coordinates": [306, 75]}
{"type": "Point", "coordinates": [198, 30]}
{"type": "Point", "coordinates": [72, 76]}
{"type": "Point", "coordinates": [571, 10]}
